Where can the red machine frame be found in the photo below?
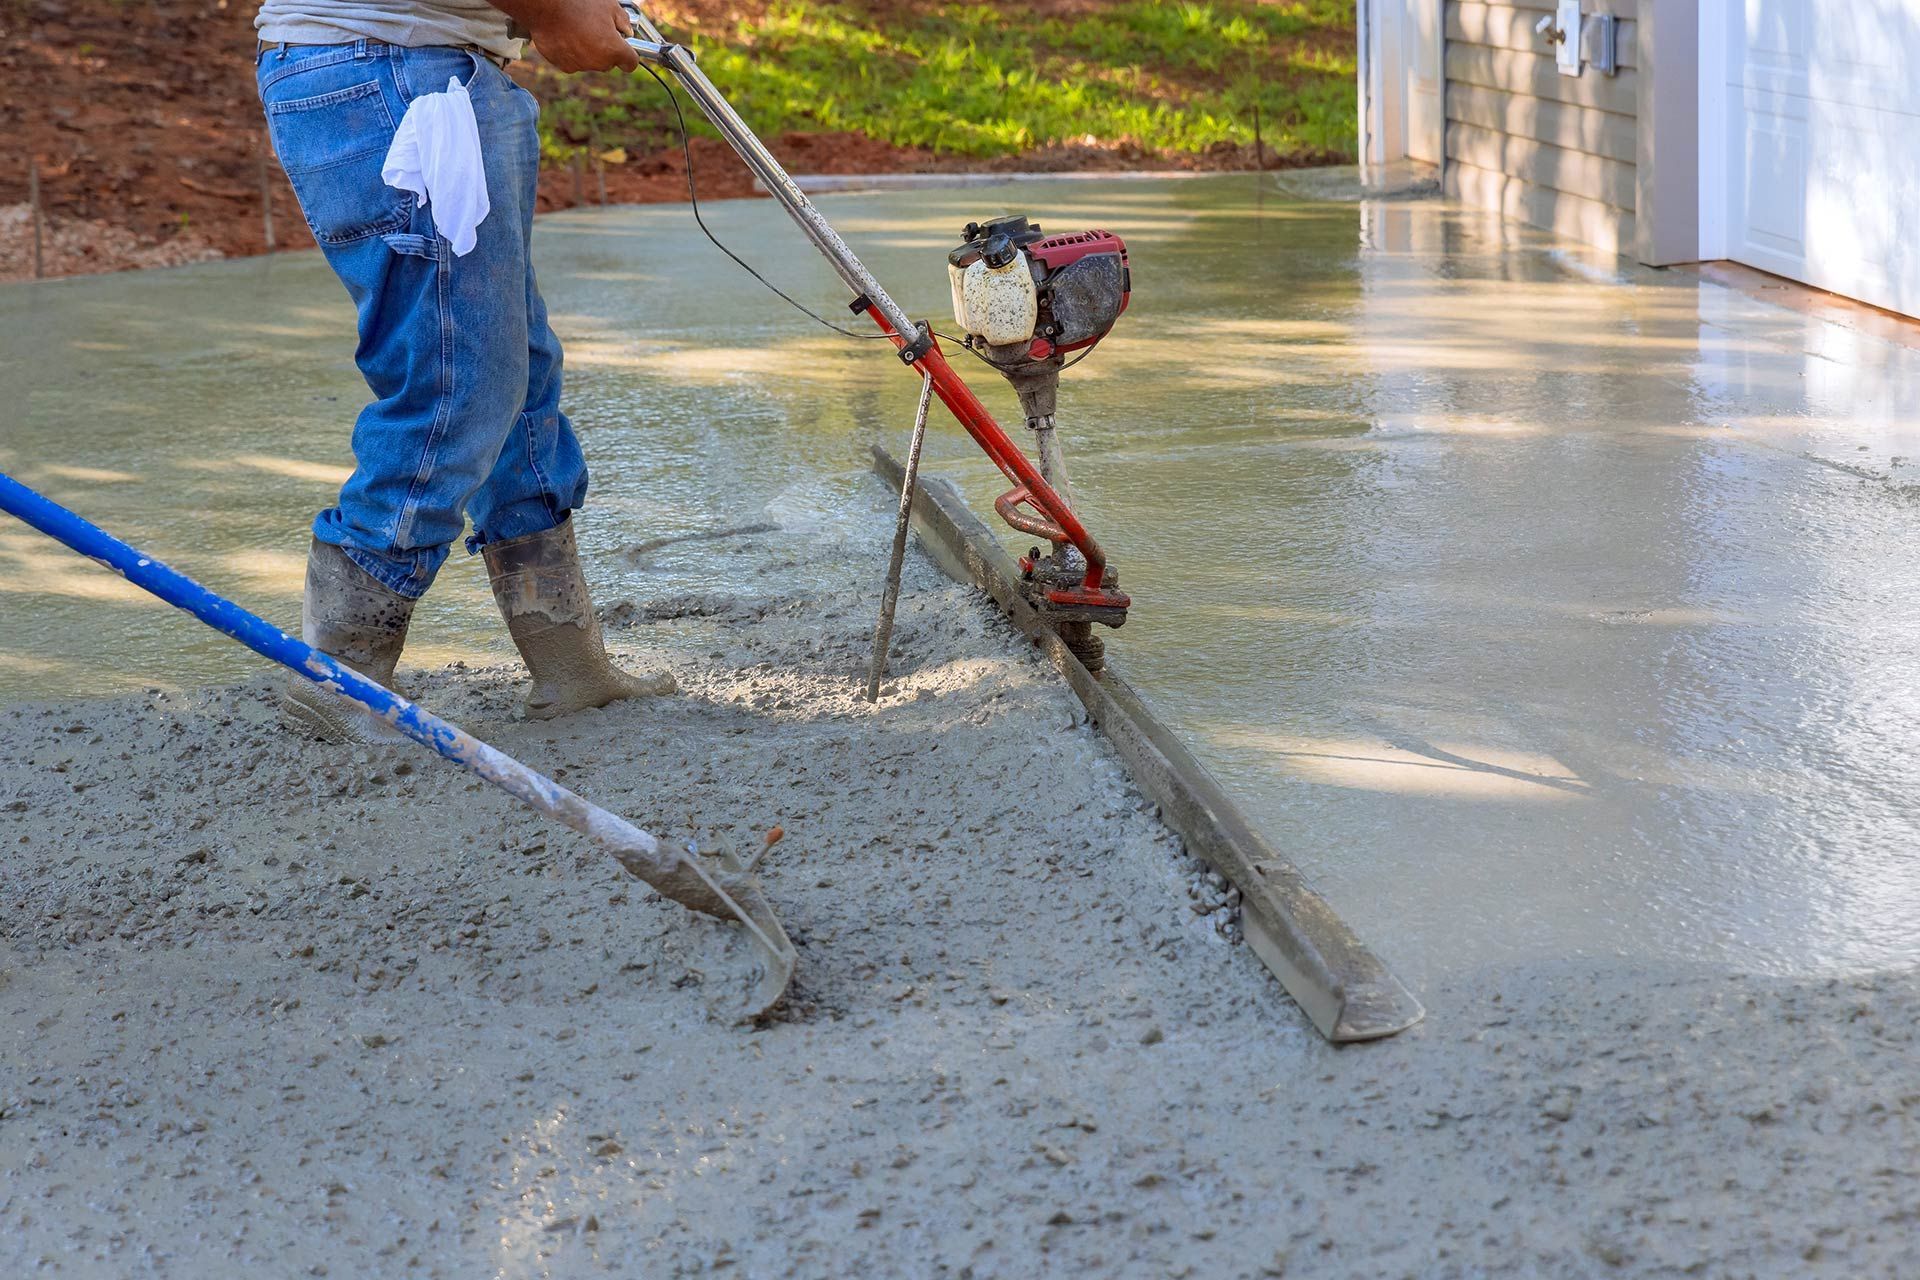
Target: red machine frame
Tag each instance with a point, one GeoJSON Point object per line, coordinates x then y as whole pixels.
{"type": "Point", "coordinates": [1057, 523]}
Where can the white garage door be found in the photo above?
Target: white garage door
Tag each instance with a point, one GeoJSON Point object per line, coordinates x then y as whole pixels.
{"type": "Point", "coordinates": [1823, 163]}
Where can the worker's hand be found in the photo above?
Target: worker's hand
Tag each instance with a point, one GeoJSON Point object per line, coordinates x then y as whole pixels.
{"type": "Point", "coordinates": [579, 35]}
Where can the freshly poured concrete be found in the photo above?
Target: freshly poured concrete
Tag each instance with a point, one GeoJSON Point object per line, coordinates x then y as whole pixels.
{"type": "Point", "coordinates": [272, 1008]}
{"type": "Point", "coordinates": [1535, 610]}
{"type": "Point", "coordinates": [1537, 613]}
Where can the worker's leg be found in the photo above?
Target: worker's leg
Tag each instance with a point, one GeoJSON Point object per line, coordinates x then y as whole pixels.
{"type": "Point", "coordinates": [521, 514]}
{"type": "Point", "coordinates": [540, 475]}
{"type": "Point", "coordinates": [442, 342]}
{"type": "Point", "coordinates": [521, 519]}
{"type": "Point", "coordinates": [443, 339]}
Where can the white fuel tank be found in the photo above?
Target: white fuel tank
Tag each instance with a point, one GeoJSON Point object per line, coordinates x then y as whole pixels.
{"type": "Point", "coordinates": [999, 303]}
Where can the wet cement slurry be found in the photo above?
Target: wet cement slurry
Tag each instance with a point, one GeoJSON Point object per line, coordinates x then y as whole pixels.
{"type": "Point", "coordinates": [1544, 617]}
{"type": "Point", "coordinates": [1537, 609]}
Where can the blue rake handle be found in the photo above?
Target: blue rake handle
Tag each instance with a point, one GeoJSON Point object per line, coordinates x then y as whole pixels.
{"type": "Point", "coordinates": [636, 850]}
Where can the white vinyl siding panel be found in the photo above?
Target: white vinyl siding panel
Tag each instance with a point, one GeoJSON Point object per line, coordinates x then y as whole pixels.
{"type": "Point", "coordinates": [1557, 168]}
{"type": "Point", "coordinates": [1534, 74]}
{"type": "Point", "coordinates": [1503, 26]}
{"type": "Point", "coordinates": [1596, 133]}
{"type": "Point", "coordinates": [1551, 150]}
{"type": "Point", "coordinates": [1590, 221]}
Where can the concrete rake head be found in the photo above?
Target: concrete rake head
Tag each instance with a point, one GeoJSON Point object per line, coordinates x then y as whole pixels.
{"type": "Point", "coordinates": [719, 885]}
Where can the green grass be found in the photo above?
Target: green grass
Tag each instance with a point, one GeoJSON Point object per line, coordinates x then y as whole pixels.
{"type": "Point", "coordinates": [987, 80]}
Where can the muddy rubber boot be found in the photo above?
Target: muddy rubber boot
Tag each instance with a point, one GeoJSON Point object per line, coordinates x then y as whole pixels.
{"type": "Point", "coordinates": [542, 594]}
{"type": "Point", "coordinates": [352, 618]}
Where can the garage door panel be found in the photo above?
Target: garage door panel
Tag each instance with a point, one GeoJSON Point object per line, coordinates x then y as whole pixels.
{"type": "Point", "coordinates": [1824, 152]}
{"type": "Point", "coordinates": [1776, 182]}
{"type": "Point", "coordinates": [1866, 51]}
{"type": "Point", "coordinates": [1776, 30]}
{"type": "Point", "coordinates": [1770, 104]}
{"type": "Point", "coordinates": [1860, 195]}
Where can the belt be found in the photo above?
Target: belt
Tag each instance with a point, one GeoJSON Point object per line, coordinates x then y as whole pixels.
{"type": "Point", "coordinates": [263, 45]}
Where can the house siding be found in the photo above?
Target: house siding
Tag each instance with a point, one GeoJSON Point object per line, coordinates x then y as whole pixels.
{"type": "Point", "coordinates": [1555, 151]}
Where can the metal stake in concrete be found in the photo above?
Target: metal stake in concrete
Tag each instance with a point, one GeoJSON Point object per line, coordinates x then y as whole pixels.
{"type": "Point", "coordinates": [890, 597]}
{"type": "Point", "coordinates": [33, 200]}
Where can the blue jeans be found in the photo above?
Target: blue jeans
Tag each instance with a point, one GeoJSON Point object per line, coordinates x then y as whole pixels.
{"type": "Point", "coordinates": [463, 366]}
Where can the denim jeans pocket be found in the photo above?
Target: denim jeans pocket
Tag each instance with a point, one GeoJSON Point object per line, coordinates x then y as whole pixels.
{"type": "Point", "coordinates": [332, 146]}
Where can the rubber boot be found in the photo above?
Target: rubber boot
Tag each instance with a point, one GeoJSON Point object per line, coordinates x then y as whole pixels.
{"type": "Point", "coordinates": [542, 594]}
{"type": "Point", "coordinates": [349, 616]}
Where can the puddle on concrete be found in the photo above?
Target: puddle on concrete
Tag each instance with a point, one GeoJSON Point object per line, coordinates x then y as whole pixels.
{"type": "Point", "coordinates": [1530, 608]}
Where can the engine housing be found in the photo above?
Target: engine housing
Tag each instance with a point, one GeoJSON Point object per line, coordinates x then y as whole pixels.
{"type": "Point", "coordinates": [1082, 280]}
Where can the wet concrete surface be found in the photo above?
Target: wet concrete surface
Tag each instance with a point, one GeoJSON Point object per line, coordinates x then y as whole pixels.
{"type": "Point", "coordinates": [1535, 609]}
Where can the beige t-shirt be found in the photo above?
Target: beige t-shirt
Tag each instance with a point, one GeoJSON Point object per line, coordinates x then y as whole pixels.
{"type": "Point", "coordinates": [411, 23]}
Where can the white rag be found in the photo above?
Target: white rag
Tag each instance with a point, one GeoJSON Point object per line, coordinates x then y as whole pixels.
{"type": "Point", "coordinates": [436, 155]}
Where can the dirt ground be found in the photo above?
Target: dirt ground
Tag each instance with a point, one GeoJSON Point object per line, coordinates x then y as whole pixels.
{"type": "Point", "coordinates": [275, 1008]}
{"type": "Point", "coordinates": [144, 124]}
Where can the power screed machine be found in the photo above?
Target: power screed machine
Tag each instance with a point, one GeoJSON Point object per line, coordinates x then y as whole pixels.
{"type": "Point", "coordinates": [1030, 304]}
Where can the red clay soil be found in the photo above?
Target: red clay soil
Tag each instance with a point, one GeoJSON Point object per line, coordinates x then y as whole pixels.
{"type": "Point", "coordinates": [144, 125]}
